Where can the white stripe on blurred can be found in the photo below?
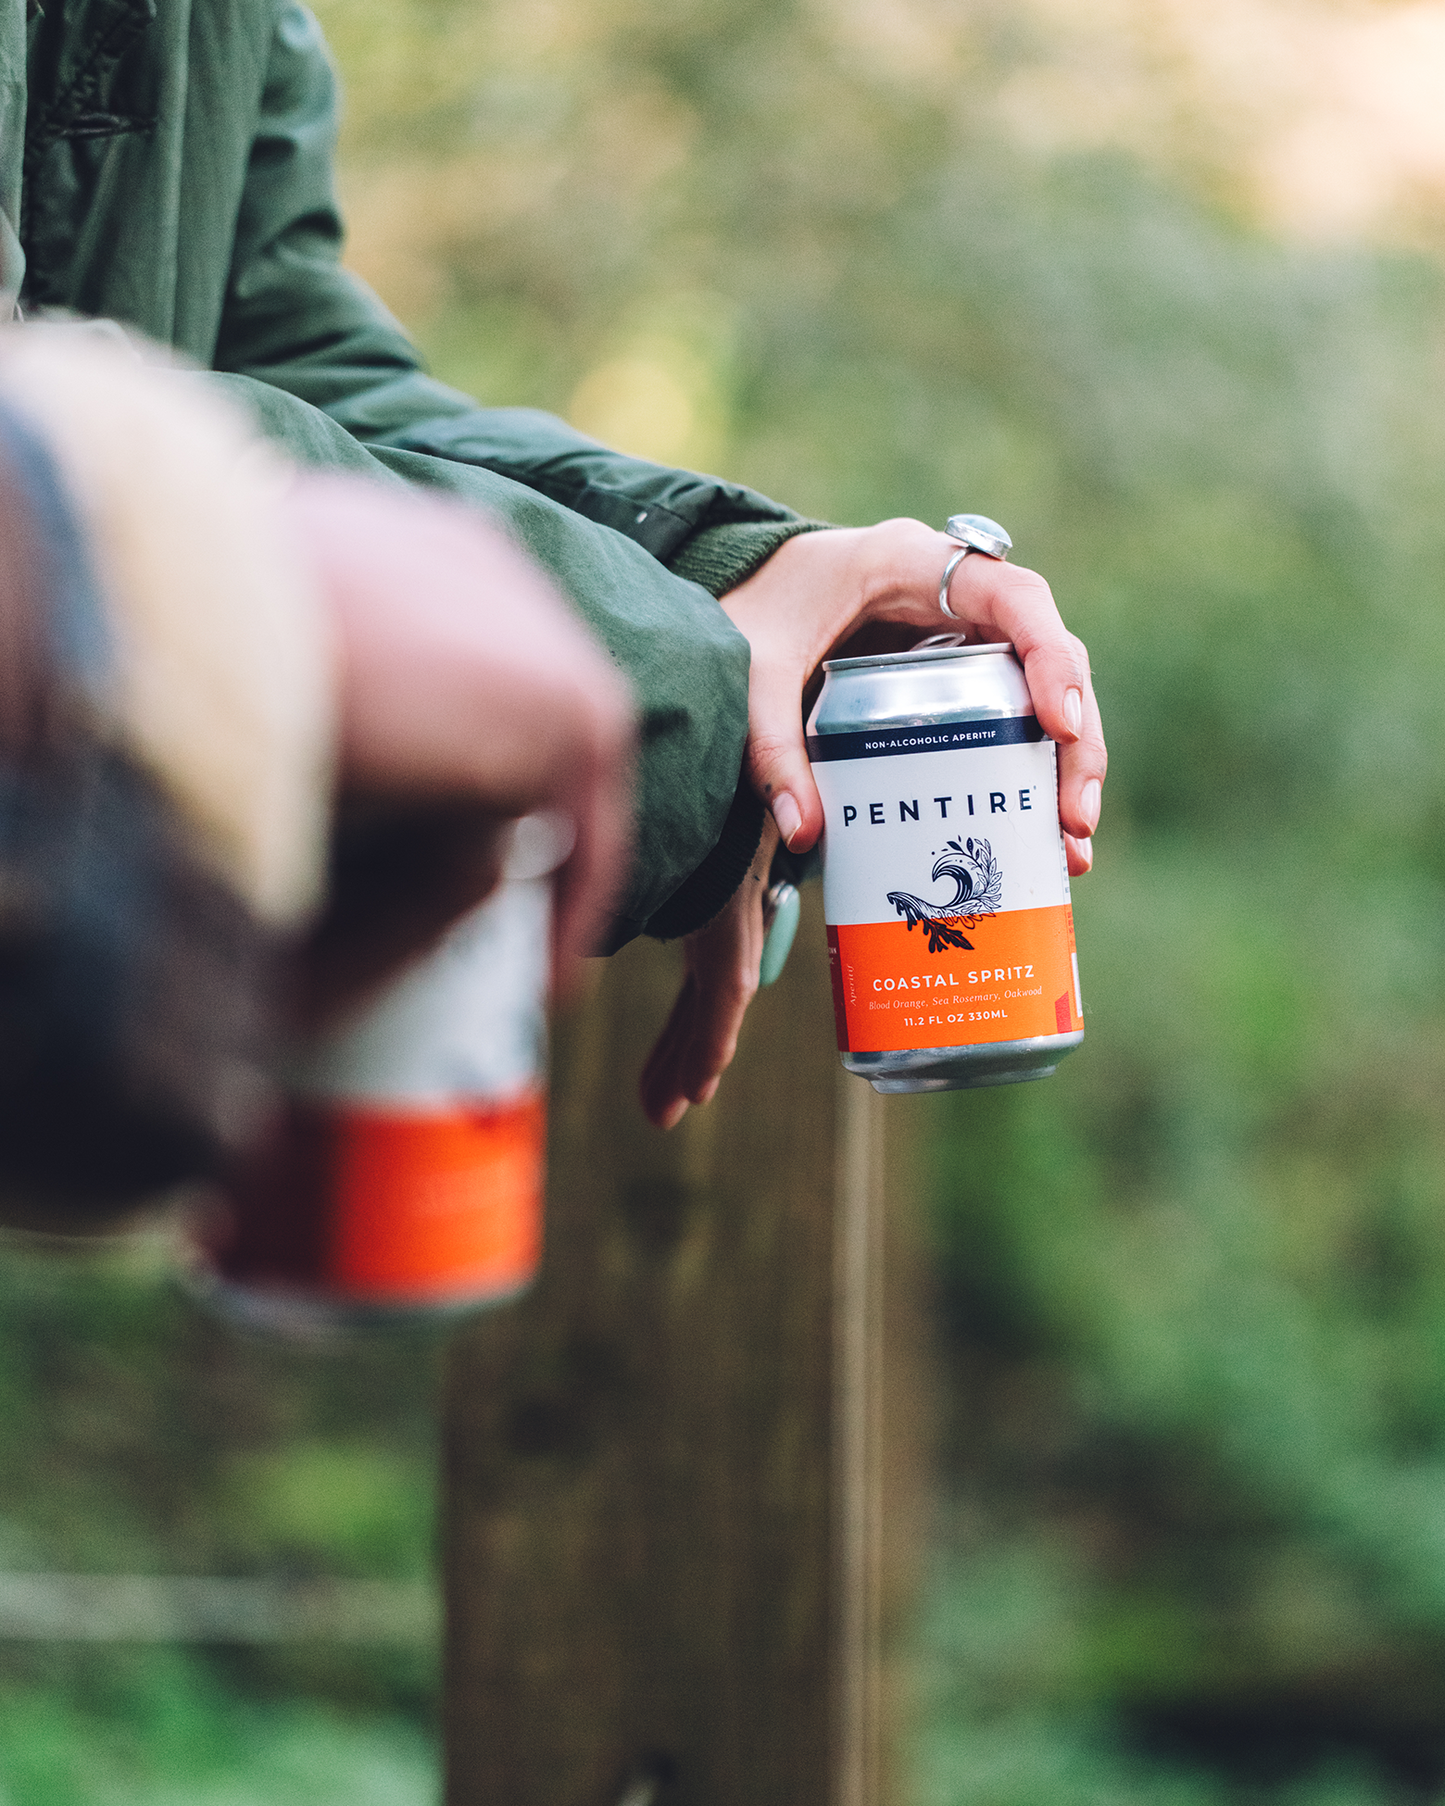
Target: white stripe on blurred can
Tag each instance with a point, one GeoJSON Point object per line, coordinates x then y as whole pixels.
{"type": "Point", "coordinates": [406, 1176]}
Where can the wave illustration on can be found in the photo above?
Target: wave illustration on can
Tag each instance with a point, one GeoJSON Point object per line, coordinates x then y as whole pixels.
{"type": "Point", "coordinates": [945, 880]}
{"type": "Point", "coordinates": [405, 1178]}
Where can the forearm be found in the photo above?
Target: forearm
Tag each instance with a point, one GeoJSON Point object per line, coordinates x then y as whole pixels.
{"type": "Point", "coordinates": [687, 665]}
{"type": "Point", "coordinates": [296, 320]}
{"type": "Point", "coordinates": [640, 549]}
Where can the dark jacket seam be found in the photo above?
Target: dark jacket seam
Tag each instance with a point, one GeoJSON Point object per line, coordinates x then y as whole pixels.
{"type": "Point", "coordinates": [645, 510]}
{"type": "Point", "coordinates": [105, 125]}
{"type": "Point", "coordinates": [574, 495]}
{"type": "Point", "coordinates": [67, 107]}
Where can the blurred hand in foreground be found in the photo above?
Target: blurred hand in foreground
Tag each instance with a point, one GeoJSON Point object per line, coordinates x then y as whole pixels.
{"type": "Point", "coordinates": [469, 695]}
{"type": "Point", "coordinates": [829, 594]}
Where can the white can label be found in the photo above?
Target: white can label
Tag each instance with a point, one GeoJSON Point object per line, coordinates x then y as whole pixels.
{"type": "Point", "coordinates": [463, 1026]}
{"type": "Point", "coordinates": [945, 886]}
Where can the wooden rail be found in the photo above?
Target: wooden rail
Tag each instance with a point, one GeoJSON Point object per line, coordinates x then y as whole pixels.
{"type": "Point", "coordinates": [672, 1486]}
{"type": "Point", "coordinates": [205, 1608]}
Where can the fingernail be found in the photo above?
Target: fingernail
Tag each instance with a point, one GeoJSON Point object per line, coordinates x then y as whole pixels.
{"type": "Point", "coordinates": [1089, 800]}
{"type": "Point", "coordinates": [671, 1118]}
{"type": "Point", "coordinates": [1085, 850]}
{"type": "Point", "coordinates": [788, 816]}
{"type": "Point", "coordinates": [1074, 711]}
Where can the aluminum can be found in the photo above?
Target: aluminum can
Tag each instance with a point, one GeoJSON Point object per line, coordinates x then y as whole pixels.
{"type": "Point", "coordinates": [403, 1182]}
{"type": "Point", "coordinates": [945, 881]}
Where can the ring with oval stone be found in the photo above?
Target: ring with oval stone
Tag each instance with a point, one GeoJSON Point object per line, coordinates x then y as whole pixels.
{"type": "Point", "coordinates": [973, 533]}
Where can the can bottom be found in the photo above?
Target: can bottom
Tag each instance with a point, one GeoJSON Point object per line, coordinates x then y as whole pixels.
{"type": "Point", "coordinates": [963, 1068]}
{"type": "Point", "coordinates": [316, 1317]}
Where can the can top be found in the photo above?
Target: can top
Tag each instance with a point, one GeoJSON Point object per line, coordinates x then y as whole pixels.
{"type": "Point", "coordinates": [915, 655]}
{"type": "Point", "coordinates": [935, 682]}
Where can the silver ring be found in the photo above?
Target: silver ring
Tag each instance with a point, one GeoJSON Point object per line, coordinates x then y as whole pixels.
{"type": "Point", "coordinates": [948, 570]}
{"type": "Point", "coordinates": [973, 533]}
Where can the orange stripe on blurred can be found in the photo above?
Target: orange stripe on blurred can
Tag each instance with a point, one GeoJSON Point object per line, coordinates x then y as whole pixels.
{"type": "Point", "coordinates": [422, 1206]}
{"type": "Point", "coordinates": [404, 1179]}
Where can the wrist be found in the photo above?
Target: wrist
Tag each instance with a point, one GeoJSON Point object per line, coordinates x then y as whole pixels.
{"type": "Point", "coordinates": [720, 559]}
{"type": "Point", "coordinates": [798, 604]}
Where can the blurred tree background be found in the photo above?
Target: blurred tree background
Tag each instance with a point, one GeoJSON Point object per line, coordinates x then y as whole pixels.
{"type": "Point", "coordinates": [1159, 287]}
{"type": "Point", "coordinates": [144, 1437]}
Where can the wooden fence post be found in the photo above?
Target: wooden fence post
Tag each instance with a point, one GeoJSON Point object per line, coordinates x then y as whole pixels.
{"type": "Point", "coordinates": [664, 1476]}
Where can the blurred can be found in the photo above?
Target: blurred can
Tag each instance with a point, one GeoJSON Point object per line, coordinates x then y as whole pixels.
{"type": "Point", "coordinates": [945, 881]}
{"type": "Point", "coordinates": [403, 1183]}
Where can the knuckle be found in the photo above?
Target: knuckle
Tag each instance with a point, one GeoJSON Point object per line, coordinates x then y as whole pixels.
{"type": "Point", "coordinates": [896, 545]}
{"type": "Point", "coordinates": [769, 750]}
{"type": "Point", "coordinates": [614, 726]}
{"type": "Point", "coordinates": [904, 531]}
{"type": "Point", "coordinates": [1080, 654]}
{"type": "Point", "coordinates": [1031, 601]}
{"type": "Point", "coordinates": [892, 528]}
{"type": "Point", "coordinates": [1088, 757]}
{"type": "Point", "coordinates": [1032, 614]}
{"type": "Point", "coordinates": [598, 745]}
{"type": "Point", "coordinates": [732, 993]}
{"type": "Point", "coordinates": [595, 721]}
{"type": "Point", "coordinates": [1025, 582]}
{"type": "Point", "coordinates": [739, 988]}
{"type": "Point", "coordinates": [1065, 652]}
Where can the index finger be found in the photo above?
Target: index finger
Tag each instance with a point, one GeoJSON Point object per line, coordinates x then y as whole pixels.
{"type": "Point", "coordinates": [1008, 602]}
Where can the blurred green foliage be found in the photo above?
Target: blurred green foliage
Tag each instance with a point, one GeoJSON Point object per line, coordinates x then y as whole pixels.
{"type": "Point", "coordinates": [1192, 1544]}
{"type": "Point", "coordinates": [1191, 1532]}
{"type": "Point", "coordinates": [141, 1436]}
{"type": "Point", "coordinates": [1194, 1286]}
{"type": "Point", "coordinates": [133, 1726]}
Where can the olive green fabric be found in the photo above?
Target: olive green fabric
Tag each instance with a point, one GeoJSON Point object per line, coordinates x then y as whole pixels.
{"type": "Point", "coordinates": [177, 177]}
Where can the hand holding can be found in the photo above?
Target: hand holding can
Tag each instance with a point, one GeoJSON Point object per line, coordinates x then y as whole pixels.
{"type": "Point", "coordinates": [862, 591]}
{"type": "Point", "coordinates": [403, 1177]}
{"type": "Point", "coordinates": [470, 695]}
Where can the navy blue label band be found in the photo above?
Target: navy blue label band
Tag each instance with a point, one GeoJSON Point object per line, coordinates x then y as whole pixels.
{"type": "Point", "coordinates": [948, 736]}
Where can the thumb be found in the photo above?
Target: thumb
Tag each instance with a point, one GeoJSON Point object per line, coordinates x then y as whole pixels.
{"type": "Point", "coordinates": [777, 760]}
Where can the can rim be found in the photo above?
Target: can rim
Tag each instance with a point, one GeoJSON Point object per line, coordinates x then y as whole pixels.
{"type": "Point", "coordinates": [915, 655]}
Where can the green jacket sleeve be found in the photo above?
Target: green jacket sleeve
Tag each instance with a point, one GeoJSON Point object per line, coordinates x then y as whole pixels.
{"type": "Point", "coordinates": [332, 376]}
{"type": "Point", "coordinates": [687, 666]}
{"type": "Point", "coordinates": [295, 318]}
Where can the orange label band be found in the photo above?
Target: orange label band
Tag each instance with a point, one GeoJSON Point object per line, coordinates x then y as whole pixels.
{"type": "Point", "coordinates": [1013, 982]}
{"type": "Point", "coordinates": [393, 1206]}
{"type": "Point", "coordinates": [424, 1207]}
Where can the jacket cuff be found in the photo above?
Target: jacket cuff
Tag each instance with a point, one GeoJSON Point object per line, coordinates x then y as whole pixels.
{"type": "Point", "coordinates": [703, 895]}
{"type": "Point", "coordinates": [719, 558]}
